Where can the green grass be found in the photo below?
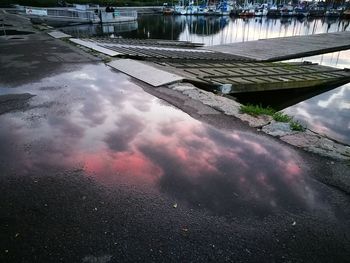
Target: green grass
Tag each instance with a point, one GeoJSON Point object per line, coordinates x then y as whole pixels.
{"type": "Point", "coordinates": [296, 126]}
{"type": "Point", "coordinates": [106, 59]}
{"type": "Point", "coordinates": [281, 117]}
{"type": "Point", "coordinates": [256, 110]}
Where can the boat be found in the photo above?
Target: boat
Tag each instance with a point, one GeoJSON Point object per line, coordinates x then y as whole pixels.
{"type": "Point", "coordinates": [247, 13]}
{"type": "Point", "coordinates": [273, 11]}
{"type": "Point", "coordinates": [224, 8]}
{"type": "Point", "coordinates": [332, 13]}
{"type": "Point", "coordinates": [180, 8]}
{"type": "Point", "coordinates": [261, 11]}
{"type": "Point", "coordinates": [316, 11]}
{"type": "Point", "coordinates": [346, 14]}
{"type": "Point", "coordinates": [235, 9]}
{"type": "Point", "coordinates": [167, 10]}
{"type": "Point", "coordinates": [191, 9]}
{"type": "Point", "coordinates": [287, 10]}
{"type": "Point", "coordinates": [301, 11]}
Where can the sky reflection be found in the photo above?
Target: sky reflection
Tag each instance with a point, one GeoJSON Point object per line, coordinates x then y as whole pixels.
{"type": "Point", "coordinates": [119, 134]}
{"type": "Point", "coordinates": [329, 112]}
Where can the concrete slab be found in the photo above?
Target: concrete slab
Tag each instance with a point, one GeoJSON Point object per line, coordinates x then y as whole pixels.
{"type": "Point", "coordinates": [59, 34]}
{"type": "Point", "coordinates": [95, 47]}
{"type": "Point", "coordinates": [146, 73]}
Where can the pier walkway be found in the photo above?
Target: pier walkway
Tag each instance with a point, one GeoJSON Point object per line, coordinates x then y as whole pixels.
{"type": "Point", "coordinates": [282, 48]}
{"type": "Point", "coordinates": [235, 72]}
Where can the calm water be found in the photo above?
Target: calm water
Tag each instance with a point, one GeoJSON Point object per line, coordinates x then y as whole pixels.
{"type": "Point", "coordinates": [327, 113]}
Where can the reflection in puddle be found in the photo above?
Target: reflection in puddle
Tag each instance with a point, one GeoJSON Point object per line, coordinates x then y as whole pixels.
{"type": "Point", "coordinates": [323, 109]}
{"type": "Point", "coordinates": [10, 32]}
{"type": "Point", "coordinates": [329, 112]}
{"type": "Point", "coordinates": [119, 134]}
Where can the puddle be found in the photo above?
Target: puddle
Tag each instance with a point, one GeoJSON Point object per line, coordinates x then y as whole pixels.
{"type": "Point", "coordinates": [9, 32]}
{"type": "Point", "coordinates": [17, 38]}
{"type": "Point", "coordinates": [96, 119]}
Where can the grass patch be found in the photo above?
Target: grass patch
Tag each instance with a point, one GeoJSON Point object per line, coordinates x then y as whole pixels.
{"type": "Point", "coordinates": [296, 126]}
{"type": "Point", "coordinates": [281, 117]}
{"type": "Point", "coordinates": [106, 60]}
{"type": "Point", "coordinates": [256, 110]}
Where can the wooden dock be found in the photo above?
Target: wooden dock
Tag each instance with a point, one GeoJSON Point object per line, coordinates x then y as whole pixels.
{"type": "Point", "coordinates": [156, 49]}
{"type": "Point", "coordinates": [245, 77]}
{"type": "Point", "coordinates": [283, 48]}
{"type": "Point", "coordinates": [174, 61]}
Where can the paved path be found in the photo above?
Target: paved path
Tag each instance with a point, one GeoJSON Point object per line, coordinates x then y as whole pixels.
{"type": "Point", "coordinates": [275, 49]}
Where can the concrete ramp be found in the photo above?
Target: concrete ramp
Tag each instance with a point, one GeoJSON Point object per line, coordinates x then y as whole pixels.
{"type": "Point", "coordinates": [277, 49]}
{"type": "Point", "coordinates": [94, 46]}
{"type": "Point", "coordinates": [58, 34]}
{"type": "Point", "coordinates": [144, 72]}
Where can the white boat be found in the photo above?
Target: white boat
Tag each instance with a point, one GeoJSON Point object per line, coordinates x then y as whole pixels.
{"type": "Point", "coordinates": [332, 13]}
{"type": "Point", "coordinates": [260, 11]}
{"type": "Point", "coordinates": [224, 8]}
{"type": "Point", "coordinates": [179, 10]}
{"type": "Point", "coordinates": [287, 10]}
{"type": "Point", "coordinates": [247, 13]}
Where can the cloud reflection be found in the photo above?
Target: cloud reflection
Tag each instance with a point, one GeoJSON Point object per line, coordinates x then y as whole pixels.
{"type": "Point", "coordinates": [327, 113]}
{"type": "Point", "coordinates": [228, 173]}
{"type": "Point", "coordinates": [128, 127]}
{"type": "Point", "coordinates": [161, 148]}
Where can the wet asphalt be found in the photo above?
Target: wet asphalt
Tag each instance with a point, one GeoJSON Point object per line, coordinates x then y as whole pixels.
{"type": "Point", "coordinates": [93, 168]}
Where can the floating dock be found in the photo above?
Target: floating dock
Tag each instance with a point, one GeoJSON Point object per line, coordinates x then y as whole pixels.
{"type": "Point", "coordinates": [283, 48]}
{"type": "Point", "coordinates": [234, 72]}
{"type": "Point", "coordinates": [259, 76]}
{"type": "Point", "coordinates": [157, 50]}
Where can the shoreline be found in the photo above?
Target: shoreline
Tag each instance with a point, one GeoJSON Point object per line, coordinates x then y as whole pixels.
{"type": "Point", "coordinates": [307, 140]}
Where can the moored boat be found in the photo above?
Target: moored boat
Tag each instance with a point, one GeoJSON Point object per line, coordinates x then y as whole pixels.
{"type": "Point", "coordinates": [301, 11]}
{"type": "Point", "coordinates": [261, 11]}
{"type": "Point", "coordinates": [273, 11]}
{"type": "Point", "coordinates": [167, 10]}
{"type": "Point", "coordinates": [332, 13]}
{"type": "Point", "coordinates": [316, 12]}
{"type": "Point", "coordinates": [247, 13]}
{"type": "Point", "coordinates": [346, 14]}
{"type": "Point", "coordinates": [287, 10]}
